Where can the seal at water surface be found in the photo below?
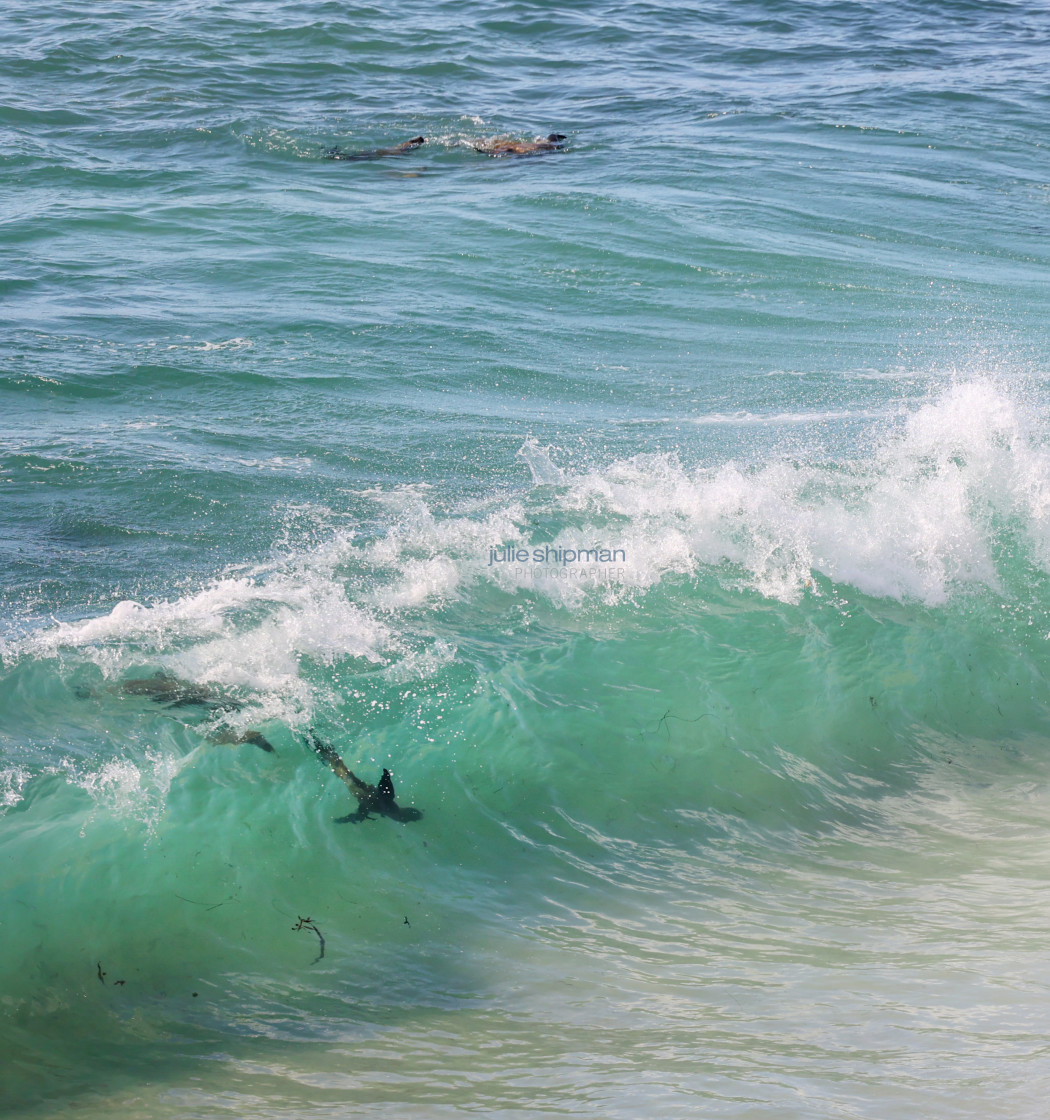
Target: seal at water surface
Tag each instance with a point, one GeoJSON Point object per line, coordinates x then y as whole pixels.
{"type": "Point", "coordinates": [500, 146]}
{"type": "Point", "coordinates": [370, 799]}
{"type": "Point", "coordinates": [376, 153]}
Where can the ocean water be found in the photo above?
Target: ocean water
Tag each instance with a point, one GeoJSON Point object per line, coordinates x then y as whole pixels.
{"type": "Point", "coordinates": [741, 814]}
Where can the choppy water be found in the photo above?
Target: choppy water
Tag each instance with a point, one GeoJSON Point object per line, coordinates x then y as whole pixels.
{"type": "Point", "coordinates": [748, 820]}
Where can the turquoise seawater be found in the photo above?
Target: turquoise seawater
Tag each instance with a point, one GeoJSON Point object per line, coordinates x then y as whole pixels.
{"type": "Point", "coordinates": [745, 817]}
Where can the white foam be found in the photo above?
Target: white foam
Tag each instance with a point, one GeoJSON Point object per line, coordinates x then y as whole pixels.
{"type": "Point", "coordinates": [422, 663]}
{"type": "Point", "coordinates": [245, 631]}
{"type": "Point", "coordinates": [914, 520]}
{"type": "Point", "coordinates": [130, 790]}
{"type": "Point", "coordinates": [540, 464]}
{"type": "Point", "coordinates": [197, 614]}
{"type": "Point", "coordinates": [12, 782]}
{"type": "Point", "coordinates": [304, 617]}
{"type": "Point", "coordinates": [780, 419]}
{"type": "Point", "coordinates": [922, 517]}
{"type": "Point", "coordinates": [919, 518]}
{"type": "Point", "coordinates": [229, 344]}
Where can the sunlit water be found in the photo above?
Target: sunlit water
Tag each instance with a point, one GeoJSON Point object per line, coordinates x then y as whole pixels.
{"type": "Point", "coordinates": [742, 814]}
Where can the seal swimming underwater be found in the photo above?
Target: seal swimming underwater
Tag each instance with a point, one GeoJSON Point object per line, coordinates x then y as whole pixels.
{"type": "Point", "coordinates": [163, 688]}
{"type": "Point", "coordinates": [370, 799]}
{"type": "Point", "coordinates": [376, 153]}
{"type": "Point", "coordinates": [498, 146]}
{"type": "Point", "coordinates": [171, 692]}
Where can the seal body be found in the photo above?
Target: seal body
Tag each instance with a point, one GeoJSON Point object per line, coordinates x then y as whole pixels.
{"type": "Point", "coordinates": [503, 147]}
{"type": "Point", "coordinates": [375, 153]}
{"type": "Point", "coordinates": [377, 799]}
{"type": "Point", "coordinates": [171, 692]}
{"type": "Point", "coordinates": [162, 688]}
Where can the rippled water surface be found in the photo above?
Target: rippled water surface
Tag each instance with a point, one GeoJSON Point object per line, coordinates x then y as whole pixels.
{"type": "Point", "coordinates": [669, 512]}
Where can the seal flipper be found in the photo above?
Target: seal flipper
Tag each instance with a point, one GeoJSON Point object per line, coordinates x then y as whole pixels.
{"type": "Point", "coordinates": [386, 804]}
{"type": "Point", "coordinates": [386, 786]}
{"type": "Point", "coordinates": [259, 740]}
{"type": "Point", "coordinates": [254, 737]}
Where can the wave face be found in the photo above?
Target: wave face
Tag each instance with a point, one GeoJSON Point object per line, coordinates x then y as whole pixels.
{"type": "Point", "coordinates": [669, 514]}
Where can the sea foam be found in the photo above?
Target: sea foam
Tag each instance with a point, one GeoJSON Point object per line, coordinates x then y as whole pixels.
{"type": "Point", "coordinates": [928, 513]}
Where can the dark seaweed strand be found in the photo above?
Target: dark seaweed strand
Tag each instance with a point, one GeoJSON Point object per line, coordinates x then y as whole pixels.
{"type": "Point", "coordinates": [308, 923]}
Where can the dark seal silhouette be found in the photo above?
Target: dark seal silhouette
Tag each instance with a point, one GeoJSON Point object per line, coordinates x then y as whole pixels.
{"type": "Point", "coordinates": [163, 688]}
{"type": "Point", "coordinates": [501, 146]}
{"type": "Point", "coordinates": [171, 692]}
{"type": "Point", "coordinates": [375, 153]}
{"type": "Point", "coordinates": [370, 799]}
